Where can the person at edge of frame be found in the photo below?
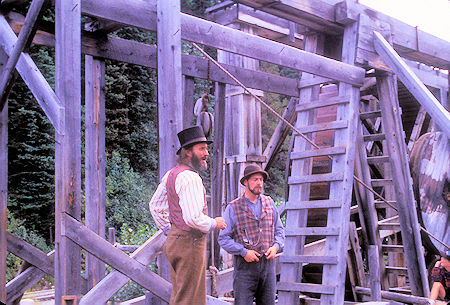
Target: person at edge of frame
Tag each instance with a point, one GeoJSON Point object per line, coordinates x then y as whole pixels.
{"type": "Point", "coordinates": [440, 276]}
{"type": "Point", "coordinates": [179, 208]}
{"type": "Point", "coordinates": [254, 235]}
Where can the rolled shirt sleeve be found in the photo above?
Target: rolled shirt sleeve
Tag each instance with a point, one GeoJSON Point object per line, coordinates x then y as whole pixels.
{"type": "Point", "coordinates": [190, 190]}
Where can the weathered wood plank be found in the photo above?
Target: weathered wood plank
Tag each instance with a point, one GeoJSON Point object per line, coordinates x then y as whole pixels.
{"type": "Point", "coordinates": [313, 231]}
{"type": "Point", "coordinates": [218, 162]}
{"type": "Point", "coordinates": [399, 297]}
{"type": "Point", "coordinates": [323, 126]}
{"type": "Point", "coordinates": [374, 273]}
{"type": "Point", "coordinates": [21, 283]}
{"type": "Point", "coordinates": [29, 253]}
{"type": "Point", "coordinates": [170, 94]}
{"type": "Point", "coordinates": [337, 176]}
{"type": "Point", "coordinates": [188, 101]}
{"type": "Point", "coordinates": [336, 150]}
{"type": "Point", "coordinates": [95, 159]}
{"type": "Point", "coordinates": [386, 86]}
{"type": "Point", "coordinates": [314, 288]}
{"type": "Point", "coordinates": [68, 145]}
{"type": "Point", "coordinates": [418, 123]}
{"type": "Point", "coordinates": [114, 257]}
{"type": "Point", "coordinates": [108, 286]}
{"type": "Point", "coordinates": [280, 133]}
{"type": "Point", "coordinates": [3, 188]}
{"type": "Point", "coordinates": [310, 259]}
{"type": "Point", "coordinates": [437, 112]}
{"type": "Point", "coordinates": [212, 34]}
{"type": "Point", "coordinates": [322, 103]}
{"type": "Point", "coordinates": [314, 204]}
{"type": "Point", "coordinates": [23, 41]}
{"type": "Point", "coordinates": [30, 74]}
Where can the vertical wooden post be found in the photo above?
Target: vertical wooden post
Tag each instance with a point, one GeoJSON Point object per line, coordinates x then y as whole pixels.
{"type": "Point", "coordinates": [374, 267]}
{"type": "Point", "coordinates": [3, 189]}
{"type": "Point", "coordinates": [95, 160]}
{"type": "Point", "coordinates": [170, 118]}
{"type": "Point", "coordinates": [188, 101]}
{"type": "Point", "coordinates": [68, 145]}
{"type": "Point", "coordinates": [243, 143]}
{"type": "Point", "coordinates": [218, 157]}
{"type": "Point", "coordinates": [169, 82]}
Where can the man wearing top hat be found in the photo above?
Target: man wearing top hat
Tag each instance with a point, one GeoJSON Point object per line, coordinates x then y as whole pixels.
{"type": "Point", "coordinates": [254, 234]}
{"type": "Point", "coordinates": [179, 208]}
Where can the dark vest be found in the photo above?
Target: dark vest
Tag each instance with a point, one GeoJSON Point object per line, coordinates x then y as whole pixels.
{"type": "Point", "coordinates": [175, 213]}
{"type": "Point", "coordinates": [254, 234]}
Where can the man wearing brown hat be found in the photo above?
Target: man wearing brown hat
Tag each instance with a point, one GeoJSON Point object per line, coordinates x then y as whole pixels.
{"type": "Point", "coordinates": [179, 208]}
{"type": "Point", "coordinates": [254, 234]}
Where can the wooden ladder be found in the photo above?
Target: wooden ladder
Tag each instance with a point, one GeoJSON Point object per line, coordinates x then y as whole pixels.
{"type": "Point", "coordinates": [338, 179]}
{"type": "Point", "coordinates": [382, 163]}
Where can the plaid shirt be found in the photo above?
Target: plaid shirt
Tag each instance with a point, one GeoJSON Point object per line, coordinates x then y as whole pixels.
{"type": "Point", "coordinates": [254, 234]}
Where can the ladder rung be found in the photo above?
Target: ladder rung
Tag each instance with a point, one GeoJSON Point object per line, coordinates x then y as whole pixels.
{"type": "Point", "coordinates": [392, 248]}
{"type": "Point", "coordinates": [314, 204]}
{"type": "Point", "coordinates": [327, 102]}
{"type": "Point", "coordinates": [381, 182]}
{"type": "Point", "coordinates": [378, 159]}
{"type": "Point", "coordinates": [313, 231]}
{"type": "Point", "coordinates": [398, 270]}
{"type": "Point", "coordinates": [304, 287]}
{"type": "Point", "coordinates": [404, 290]}
{"type": "Point", "coordinates": [370, 115]}
{"type": "Point", "coordinates": [309, 259]}
{"type": "Point", "coordinates": [323, 126]}
{"type": "Point", "coordinates": [388, 226]}
{"type": "Point", "coordinates": [374, 137]}
{"type": "Point", "coordinates": [316, 178]}
{"type": "Point", "coordinates": [318, 152]}
{"type": "Point", "coordinates": [383, 205]}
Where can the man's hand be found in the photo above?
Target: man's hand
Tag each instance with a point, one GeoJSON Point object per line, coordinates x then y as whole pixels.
{"type": "Point", "coordinates": [220, 223]}
{"type": "Point", "coordinates": [271, 252]}
{"type": "Point", "coordinates": [252, 256]}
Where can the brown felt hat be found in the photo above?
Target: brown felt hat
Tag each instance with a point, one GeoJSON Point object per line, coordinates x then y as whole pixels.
{"type": "Point", "coordinates": [190, 136]}
{"type": "Point", "coordinates": [252, 169]}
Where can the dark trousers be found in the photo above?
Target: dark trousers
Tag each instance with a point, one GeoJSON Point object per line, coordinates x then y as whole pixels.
{"type": "Point", "coordinates": [254, 281]}
{"type": "Point", "coordinates": [186, 253]}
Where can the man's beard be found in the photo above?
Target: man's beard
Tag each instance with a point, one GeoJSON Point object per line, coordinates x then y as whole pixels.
{"type": "Point", "coordinates": [197, 164]}
{"type": "Point", "coordinates": [254, 191]}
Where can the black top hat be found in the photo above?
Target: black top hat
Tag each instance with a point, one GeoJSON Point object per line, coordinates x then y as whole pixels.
{"type": "Point", "coordinates": [252, 169]}
{"type": "Point", "coordinates": [190, 136]}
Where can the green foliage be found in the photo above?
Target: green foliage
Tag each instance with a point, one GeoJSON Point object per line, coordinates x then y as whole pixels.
{"type": "Point", "coordinates": [130, 236]}
{"type": "Point", "coordinates": [127, 195]}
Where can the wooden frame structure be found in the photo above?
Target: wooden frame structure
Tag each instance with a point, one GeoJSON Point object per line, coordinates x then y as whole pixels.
{"type": "Point", "coordinates": [285, 27]}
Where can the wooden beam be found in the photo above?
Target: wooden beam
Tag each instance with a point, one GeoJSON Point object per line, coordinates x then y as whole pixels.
{"type": "Point", "coordinates": [95, 159]}
{"type": "Point", "coordinates": [399, 297]}
{"type": "Point", "coordinates": [387, 86]}
{"type": "Point", "coordinates": [218, 163]}
{"type": "Point", "coordinates": [3, 189]}
{"type": "Point", "coordinates": [68, 146]}
{"type": "Point", "coordinates": [24, 40]}
{"type": "Point", "coordinates": [114, 257]}
{"type": "Point", "coordinates": [212, 34]}
{"type": "Point", "coordinates": [29, 253]}
{"type": "Point", "coordinates": [21, 283]}
{"type": "Point", "coordinates": [25, 280]}
{"type": "Point", "coordinates": [108, 286]}
{"type": "Point", "coordinates": [188, 100]}
{"type": "Point", "coordinates": [437, 112]}
{"type": "Point", "coordinates": [30, 74]}
{"type": "Point", "coordinates": [170, 94]}
{"type": "Point", "coordinates": [280, 133]}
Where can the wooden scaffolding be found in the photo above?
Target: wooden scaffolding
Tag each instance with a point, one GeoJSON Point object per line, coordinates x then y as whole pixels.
{"type": "Point", "coordinates": [351, 59]}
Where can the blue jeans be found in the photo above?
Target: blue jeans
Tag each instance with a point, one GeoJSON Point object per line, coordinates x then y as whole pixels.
{"type": "Point", "coordinates": [255, 281]}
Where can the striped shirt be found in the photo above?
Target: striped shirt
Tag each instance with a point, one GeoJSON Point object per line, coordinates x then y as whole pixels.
{"type": "Point", "coordinates": [190, 190]}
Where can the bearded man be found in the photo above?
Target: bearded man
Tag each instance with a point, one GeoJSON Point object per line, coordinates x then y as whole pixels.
{"type": "Point", "coordinates": [179, 209]}
{"type": "Point", "coordinates": [254, 234]}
